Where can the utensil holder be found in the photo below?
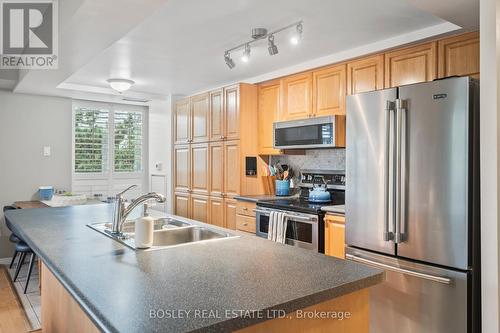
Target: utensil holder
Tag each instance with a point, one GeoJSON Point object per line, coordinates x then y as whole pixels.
{"type": "Point", "coordinates": [282, 187]}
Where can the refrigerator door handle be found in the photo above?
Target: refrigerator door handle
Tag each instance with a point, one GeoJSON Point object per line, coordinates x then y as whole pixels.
{"type": "Point", "coordinates": [388, 174]}
{"type": "Point", "coordinates": [397, 232]}
{"type": "Point", "coordinates": [434, 278]}
{"type": "Point", "coordinates": [401, 172]}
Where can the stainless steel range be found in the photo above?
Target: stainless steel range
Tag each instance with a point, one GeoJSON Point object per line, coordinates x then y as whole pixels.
{"type": "Point", "coordinates": [305, 225]}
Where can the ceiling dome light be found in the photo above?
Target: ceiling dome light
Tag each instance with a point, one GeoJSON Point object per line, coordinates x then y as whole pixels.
{"type": "Point", "coordinates": [295, 39]}
{"type": "Point", "coordinates": [120, 85]}
{"type": "Point", "coordinates": [229, 61]}
{"type": "Point", "coordinates": [272, 48]}
{"type": "Point", "coordinates": [246, 54]}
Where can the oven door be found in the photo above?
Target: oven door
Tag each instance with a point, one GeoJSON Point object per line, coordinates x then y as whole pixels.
{"type": "Point", "coordinates": [306, 133]}
{"type": "Point", "coordinates": [301, 231]}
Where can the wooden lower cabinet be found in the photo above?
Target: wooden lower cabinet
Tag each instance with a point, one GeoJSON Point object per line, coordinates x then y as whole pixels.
{"type": "Point", "coordinates": [181, 204]}
{"type": "Point", "coordinates": [357, 304]}
{"type": "Point", "coordinates": [230, 213]}
{"type": "Point", "coordinates": [216, 211]}
{"type": "Point", "coordinates": [245, 216]}
{"type": "Point", "coordinates": [335, 236]}
{"type": "Point", "coordinates": [199, 208]}
{"type": "Point", "coordinates": [245, 223]}
{"type": "Point", "coordinates": [60, 312]}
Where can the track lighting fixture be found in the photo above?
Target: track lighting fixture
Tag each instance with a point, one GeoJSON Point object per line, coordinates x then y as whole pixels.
{"type": "Point", "coordinates": [262, 33]}
{"type": "Point", "coordinates": [229, 61]}
{"type": "Point", "coordinates": [272, 48]}
{"type": "Point", "coordinates": [297, 35]}
{"type": "Point", "coordinates": [246, 54]}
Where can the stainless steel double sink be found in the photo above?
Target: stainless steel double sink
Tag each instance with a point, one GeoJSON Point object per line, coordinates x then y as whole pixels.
{"type": "Point", "coordinates": [168, 232]}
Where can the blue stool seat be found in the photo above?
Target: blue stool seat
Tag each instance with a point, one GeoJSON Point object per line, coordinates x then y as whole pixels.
{"type": "Point", "coordinates": [13, 238]}
{"type": "Point", "coordinates": [22, 247]}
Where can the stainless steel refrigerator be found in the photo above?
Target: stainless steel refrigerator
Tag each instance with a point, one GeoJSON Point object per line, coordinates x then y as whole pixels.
{"type": "Point", "coordinates": [412, 203]}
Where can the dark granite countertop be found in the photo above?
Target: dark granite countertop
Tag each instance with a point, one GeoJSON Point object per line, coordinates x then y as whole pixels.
{"type": "Point", "coordinates": [119, 287]}
{"type": "Point", "coordinates": [335, 209]}
{"type": "Point", "coordinates": [260, 197]}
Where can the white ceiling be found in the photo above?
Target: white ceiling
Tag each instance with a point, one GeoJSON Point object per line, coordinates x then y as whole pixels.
{"type": "Point", "coordinates": [177, 46]}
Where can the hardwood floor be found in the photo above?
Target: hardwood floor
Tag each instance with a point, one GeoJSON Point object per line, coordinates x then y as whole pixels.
{"type": "Point", "coordinates": [12, 316]}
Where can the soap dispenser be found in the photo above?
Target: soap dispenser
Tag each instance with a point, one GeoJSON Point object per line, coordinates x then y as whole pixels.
{"type": "Point", "coordinates": [144, 227]}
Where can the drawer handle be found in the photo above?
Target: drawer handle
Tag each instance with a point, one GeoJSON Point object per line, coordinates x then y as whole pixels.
{"type": "Point", "coordinates": [244, 208]}
{"type": "Point", "coordinates": [245, 224]}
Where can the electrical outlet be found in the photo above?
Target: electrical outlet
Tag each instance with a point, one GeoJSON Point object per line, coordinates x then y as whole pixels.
{"type": "Point", "coordinates": [46, 151]}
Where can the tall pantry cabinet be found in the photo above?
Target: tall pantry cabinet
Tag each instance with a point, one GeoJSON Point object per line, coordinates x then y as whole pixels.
{"type": "Point", "coordinates": [213, 134]}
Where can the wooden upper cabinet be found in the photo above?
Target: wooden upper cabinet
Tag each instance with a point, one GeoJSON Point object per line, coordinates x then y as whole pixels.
{"type": "Point", "coordinates": [335, 236]}
{"type": "Point", "coordinates": [411, 65]}
{"type": "Point", "coordinates": [182, 204]}
{"type": "Point", "coordinates": [269, 107]}
{"type": "Point", "coordinates": [200, 114]}
{"type": "Point", "coordinates": [216, 211]}
{"type": "Point", "coordinates": [182, 122]}
{"type": "Point", "coordinates": [329, 90]}
{"type": "Point", "coordinates": [297, 99]}
{"type": "Point", "coordinates": [231, 113]}
{"type": "Point", "coordinates": [199, 171]}
{"type": "Point", "coordinates": [182, 162]}
{"type": "Point", "coordinates": [216, 156]}
{"type": "Point", "coordinates": [459, 55]}
{"type": "Point", "coordinates": [199, 208]}
{"type": "Point", "coordinates": [365, 74]}
{"type": "Point", "coordinates": [216, 115]}
{"type": "Point", "coordinates": [231, 168]}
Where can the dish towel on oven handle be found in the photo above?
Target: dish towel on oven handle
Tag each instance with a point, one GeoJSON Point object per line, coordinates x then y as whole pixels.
{"type": "Point", "coordinates": [282, 225]}
{"type": "Point", "coordinates": [277, 227]}
{"type": "Point", "coordinates": [272, 225]}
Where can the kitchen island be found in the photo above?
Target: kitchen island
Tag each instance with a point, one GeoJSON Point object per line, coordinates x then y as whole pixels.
{"type": "Point", "coordinates": [244, 282]}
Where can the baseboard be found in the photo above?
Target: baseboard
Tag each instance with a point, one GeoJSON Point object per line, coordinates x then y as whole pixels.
{"type": "Point", "coordinates": [5, 261]}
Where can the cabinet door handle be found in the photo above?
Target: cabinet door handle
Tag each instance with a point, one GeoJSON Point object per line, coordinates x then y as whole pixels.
{"type": "Point", "coordinates": [245, 224]}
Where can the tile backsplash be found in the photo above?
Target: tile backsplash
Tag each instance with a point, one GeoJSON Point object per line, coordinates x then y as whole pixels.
{"type": "Point", "coordinates": [326, 159]}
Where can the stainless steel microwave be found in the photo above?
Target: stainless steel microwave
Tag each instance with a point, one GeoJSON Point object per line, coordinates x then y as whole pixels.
{"type": "Point", "coordinates": [316, 132]}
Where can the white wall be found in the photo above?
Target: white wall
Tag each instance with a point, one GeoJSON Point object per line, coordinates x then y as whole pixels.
{"type": "Point", "coordinates": [160, 144]}
{"type": "Point", "coordinates": [27, 123]}
{"type": "Point", "coordinates": [490, 93]}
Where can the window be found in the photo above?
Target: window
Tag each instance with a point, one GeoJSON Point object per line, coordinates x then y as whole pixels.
{"type": "Point", "coordinates": [108, 147]}
{"type": "Point", "coordinates": [91, 140]}
{"type": "Point", "coordinates": [128, 141]}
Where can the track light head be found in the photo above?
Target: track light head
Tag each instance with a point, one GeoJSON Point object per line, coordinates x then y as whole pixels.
{"type": "Point", "coordinates": [272, 48]}
{"type": "Point", "coordinates": [229, 61]}
{"type": "Point", "coordinates": [246, 54]}
{"type": "Point", "coordinates": [295, 39]}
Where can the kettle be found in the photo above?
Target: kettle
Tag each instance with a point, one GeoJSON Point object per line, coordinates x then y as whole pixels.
{"type": "Point", "coordinates": [319, 193]}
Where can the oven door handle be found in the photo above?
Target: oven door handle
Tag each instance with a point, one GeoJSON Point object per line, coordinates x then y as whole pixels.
{"type": "Point", "coordinates": [290, 216]}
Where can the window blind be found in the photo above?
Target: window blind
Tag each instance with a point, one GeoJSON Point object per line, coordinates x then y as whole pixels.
{"type": "Point", "coordinates": [127, 141]}
{"type": "Point", "coordinates": [91, 140]}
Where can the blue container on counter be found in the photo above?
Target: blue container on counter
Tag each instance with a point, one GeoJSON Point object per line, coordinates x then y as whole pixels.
{"type": "Point", "coordinates": [46, 192]}
{"type": "Point", "coordinates": [282, 187]}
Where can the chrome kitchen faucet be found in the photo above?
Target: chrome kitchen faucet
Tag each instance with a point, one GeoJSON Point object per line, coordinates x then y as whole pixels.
{"type": "Point", "coordinates": [121, 212]}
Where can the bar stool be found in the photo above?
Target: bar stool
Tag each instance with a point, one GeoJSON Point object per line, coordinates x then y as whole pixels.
{"type": "Point", "coordinates": [23, 249]}
{"type": "Point", "coordinates": [12, 238]}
